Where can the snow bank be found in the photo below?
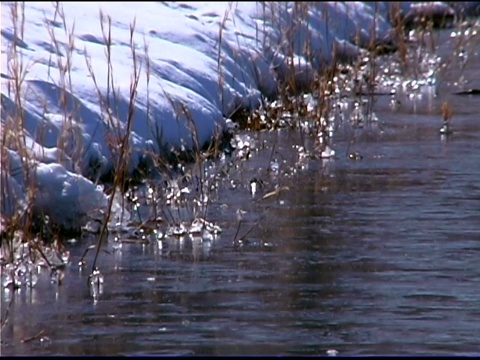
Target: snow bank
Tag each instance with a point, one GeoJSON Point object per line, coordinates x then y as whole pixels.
{"type": "Point", "coordinates": [196, 62]}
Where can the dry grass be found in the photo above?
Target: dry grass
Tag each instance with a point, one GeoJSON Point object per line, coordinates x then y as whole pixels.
{"type": "Point", "coordinates": [14, 138]}
{"type": "Point", "coordinates": [168, 196]}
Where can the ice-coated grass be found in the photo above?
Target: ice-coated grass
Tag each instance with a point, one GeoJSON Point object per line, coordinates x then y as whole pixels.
{"type": "Point", "coordinates": [100, 93]}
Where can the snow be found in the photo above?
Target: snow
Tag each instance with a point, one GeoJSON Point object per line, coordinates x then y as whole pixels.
{"type": "Point", "coordinates": [196, 63]}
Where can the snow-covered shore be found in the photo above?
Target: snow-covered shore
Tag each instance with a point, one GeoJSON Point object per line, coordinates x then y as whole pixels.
{"type": "Point", "coordinates": [196, 63]}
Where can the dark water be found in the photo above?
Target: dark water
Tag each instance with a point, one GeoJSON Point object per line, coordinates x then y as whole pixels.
{"type": "Point", "coordinates": [374, 256]}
